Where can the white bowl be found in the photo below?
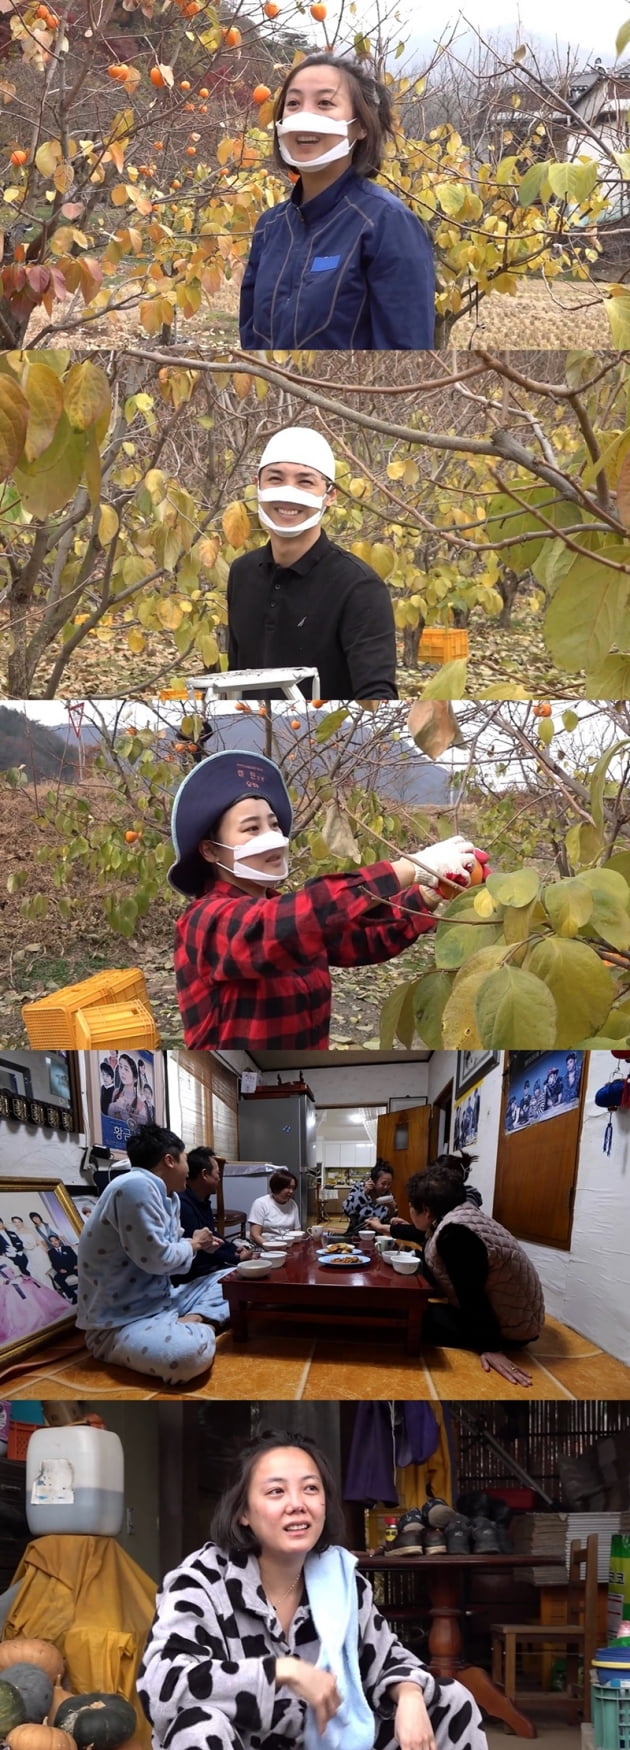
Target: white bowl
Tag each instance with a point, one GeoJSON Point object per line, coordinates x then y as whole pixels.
{"type": "Point", "coordinates": [296, 1234]}
{"type": "Point", "coordinates": [253, 1267]}
{"type": "Point", "coordinates": [405, 1266]}
{"type": "Point", "coordinates": [273, 1260]}
{"type": "Point", "coordinates": [367, 1233]}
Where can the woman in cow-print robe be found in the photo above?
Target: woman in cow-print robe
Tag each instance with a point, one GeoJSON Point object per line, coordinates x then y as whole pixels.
{"type": "Point", "coordinates": [215, 1668]}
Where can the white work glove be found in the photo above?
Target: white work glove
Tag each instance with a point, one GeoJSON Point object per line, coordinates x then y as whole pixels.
{"type": "Point", "coordinates": [452, 860]}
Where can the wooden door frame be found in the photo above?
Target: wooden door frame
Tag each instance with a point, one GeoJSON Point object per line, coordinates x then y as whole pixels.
{"type": "Point", "coordinates": [529, 1239]}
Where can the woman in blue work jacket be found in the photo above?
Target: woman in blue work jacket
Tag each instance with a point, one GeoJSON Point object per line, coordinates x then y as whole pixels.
{"type": "Point", "coordinates": [342, 263]}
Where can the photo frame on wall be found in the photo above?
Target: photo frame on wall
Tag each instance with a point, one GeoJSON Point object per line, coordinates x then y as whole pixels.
{"type": "Point", "coordinates": [125, 1089]}
{"type": "Point", "coordinates": [405, 1102]}
{"type": "Point", "coordinates": [39, 1230]}
{"type": "Point", "coordinates": [84, 1200]}
{"type": "Point", "coordinates": [41, 1088]}
{"type": "Point", "coordinates": [471, 1067]}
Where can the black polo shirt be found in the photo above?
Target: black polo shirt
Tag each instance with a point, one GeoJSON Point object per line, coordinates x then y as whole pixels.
{"type": "Point", "coordinates": [327, 611]}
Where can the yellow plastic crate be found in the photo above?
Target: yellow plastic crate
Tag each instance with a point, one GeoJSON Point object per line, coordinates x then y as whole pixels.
{"type": "Point", "coordinates": [50, 1021]}
{"type": "Point", "coordinates": [116, 1025]}
{"type": "Point", "coordinates": [443, 643]}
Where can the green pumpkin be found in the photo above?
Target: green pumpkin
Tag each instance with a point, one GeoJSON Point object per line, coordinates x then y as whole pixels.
{"type": "Point", "coordinates": [102, 1720]}
{"type": "Point", "coordinates": [12, 1709]}
{"type": "Point", "coordinates": [35, 1689]}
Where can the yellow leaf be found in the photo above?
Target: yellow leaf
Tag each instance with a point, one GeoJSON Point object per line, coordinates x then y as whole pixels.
{"type": "Point", "coordinates": [225, 150]}
{"type": "Point", "coordinates": [208, 649]}
{"type": "Point", "coordinates": [87, 395]}
{"type": "Point", "coordinates": [44, 394]}
{"type": "Point", "coordinates": [108, 524]}
{"type": "Point", "coordinates": [236, 524]}
{"type": "Point", "coordinates": [14, 415]}
{"type": "Point", "coordinates": [206, 550]}
{"type": "Point", "coordinates": [242, 384]}
{"type": "Point", "coordinates": [63, 178]}
{"type": "Point", "coordinates": [169, 614]}
{"type": "Point", "coordinates": [48, 156]}
{"type": "Point", "coordinates": [618, 311]}
{"type": "Point", "coordinates": [135, 641]}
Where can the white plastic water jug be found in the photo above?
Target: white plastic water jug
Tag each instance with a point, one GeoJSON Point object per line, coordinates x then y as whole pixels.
{"type": "Point", "coordinates": [75, 1481]}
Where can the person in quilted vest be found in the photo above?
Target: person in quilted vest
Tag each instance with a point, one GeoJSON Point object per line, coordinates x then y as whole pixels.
{"type": "Point", "coordinates": [494, 1295]}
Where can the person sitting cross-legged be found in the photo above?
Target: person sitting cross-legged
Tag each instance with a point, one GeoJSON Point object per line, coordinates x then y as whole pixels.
{"type": "Point", "coordinates": [130, 1248]}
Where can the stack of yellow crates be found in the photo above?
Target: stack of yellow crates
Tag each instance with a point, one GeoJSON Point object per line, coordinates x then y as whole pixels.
{"type": "Point", "coordinates": [78, 1015]}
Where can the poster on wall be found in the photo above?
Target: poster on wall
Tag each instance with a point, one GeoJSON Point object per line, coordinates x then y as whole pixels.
{"type": "Point", "coordinates": [470, 1070]}
{"type": "Point", "coordinates": [125, 1089]}
{"type": "Point", "coordinates": [541, 1084]}
{"type": "Point", "coordinates": [466, 1119]}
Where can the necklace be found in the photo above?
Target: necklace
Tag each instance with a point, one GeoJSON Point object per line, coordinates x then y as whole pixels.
{"type": "Point", "coordinates": [287, 1594]}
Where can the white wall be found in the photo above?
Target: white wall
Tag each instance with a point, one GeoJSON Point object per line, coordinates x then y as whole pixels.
{"type": "Point", "coordinates": [587, 1287]}
{"type": "Point", "coordinates": [26, 1152]}
{"type": "Point", "coordinates": [362, 1084]}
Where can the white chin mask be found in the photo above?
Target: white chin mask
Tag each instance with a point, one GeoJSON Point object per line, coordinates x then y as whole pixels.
{"type": "Point", "coordinates": [265, 841]}
{"type": "Point", "coordinates": [319, 124]}
{"type": "Point", "coordinates": [289, 495]}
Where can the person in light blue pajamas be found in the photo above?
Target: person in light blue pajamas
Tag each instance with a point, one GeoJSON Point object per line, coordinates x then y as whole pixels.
{"type": "Point", "coordinates": [343, 264]}
{"type": "Point", "coordinates": [130, 1247]}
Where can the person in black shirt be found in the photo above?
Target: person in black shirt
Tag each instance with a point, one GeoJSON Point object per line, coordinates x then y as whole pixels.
{"type": "Point", "coordinates": [195, 1212]}
{"type": "Point", "coordinates": [64, 1266]}
{"type": "Point", "coordinates": [301, 601]}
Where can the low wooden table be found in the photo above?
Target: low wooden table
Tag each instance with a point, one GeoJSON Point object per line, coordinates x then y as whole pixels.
{"type": "Point", "coordinates": [446, 1580]}
{"type": "Point", "coordinates": [373, 1296]}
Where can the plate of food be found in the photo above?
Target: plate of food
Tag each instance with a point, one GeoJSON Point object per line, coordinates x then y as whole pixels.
{"type": "Point", "coordinates": [343, 1257]}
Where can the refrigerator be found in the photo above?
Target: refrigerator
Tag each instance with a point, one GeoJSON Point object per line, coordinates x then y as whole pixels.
{"type": "Point", "coordinates": [283, 1130]}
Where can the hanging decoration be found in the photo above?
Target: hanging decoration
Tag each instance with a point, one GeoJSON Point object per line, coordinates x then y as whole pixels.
{"type": "Point", "coordinates": [614, 1097]}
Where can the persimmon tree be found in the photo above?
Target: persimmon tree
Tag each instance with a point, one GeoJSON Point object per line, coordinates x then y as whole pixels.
{"type": "Point", "coordinates": [137, 140]}
{"type": "Point", "coordinates": [128, 490]}
{"type": "Point", "coordinates": [542, 951]}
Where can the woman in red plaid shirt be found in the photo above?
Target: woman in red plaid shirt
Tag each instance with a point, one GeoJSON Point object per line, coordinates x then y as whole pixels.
{"type": "Point", "coordinates": [253, 966]}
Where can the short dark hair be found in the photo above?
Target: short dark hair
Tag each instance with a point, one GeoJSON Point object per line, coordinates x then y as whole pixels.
{"type": "Point", "coordinates": [438, 1189]}
{"type": "Point", "coordinates": [379, 1170]}
{"type": "Point", "coordinates": [371, 102]}
{"type": "Point", "coordinates": [198, 1159]}
{"type": "Point", "coordinates": [456, 1161]}
{"type": "Point", "coordinates": [280, 1180]}
{"type": "Point", "coordinates": [227, 1531]}
{"type": "Point", "coordinates": [150, 1143]}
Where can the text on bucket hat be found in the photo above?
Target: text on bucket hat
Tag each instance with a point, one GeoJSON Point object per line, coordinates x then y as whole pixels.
{"type": "Point", "coordinates": [205, 795]}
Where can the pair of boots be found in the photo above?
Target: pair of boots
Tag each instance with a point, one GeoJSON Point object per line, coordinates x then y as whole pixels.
{"type": "Point", "coordinates": [437, 1529]}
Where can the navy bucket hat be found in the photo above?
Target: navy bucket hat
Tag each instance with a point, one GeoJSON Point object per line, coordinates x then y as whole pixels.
{"type": "Point", "coordinates": [205, 794]}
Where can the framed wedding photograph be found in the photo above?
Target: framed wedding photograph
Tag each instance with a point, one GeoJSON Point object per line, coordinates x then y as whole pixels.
{"type": "Point", "coordinates": [125, 1089]}
{"type": "Point", "coordinates": [471, 1067]}
{"type": "Point", "coordinates": [39, 1231]}
{"type": "Point", "coordinates": [41, 1088]}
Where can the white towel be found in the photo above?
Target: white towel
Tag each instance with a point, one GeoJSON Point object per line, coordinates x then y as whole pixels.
{"type": "Point", "coordinates": [332, 1594]}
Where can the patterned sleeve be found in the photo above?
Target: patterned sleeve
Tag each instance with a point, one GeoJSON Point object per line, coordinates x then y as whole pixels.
{"type": "Point", "coordinates": [383, 1661]}
{"type": "Point", "coordinates": [187, 1671]}
{"type": "Point", "coordinates": [354, 1200]}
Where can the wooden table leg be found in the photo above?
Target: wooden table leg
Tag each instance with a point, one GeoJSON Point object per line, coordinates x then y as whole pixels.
{"type": "Point", "coordinates": [445, 1635]}
{"type": "Point", "coordinates": [494, 1702]}
{"type": "Point", "coordinates": [238, 1319]}
{"type": "Point", "coordinates": [445, 1648]}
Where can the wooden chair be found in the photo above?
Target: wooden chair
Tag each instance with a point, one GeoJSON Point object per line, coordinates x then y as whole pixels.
{"type": "Point", "coordinates": [228, 1219]}
{"type": "Point", "coordinates": [578, 1634]}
